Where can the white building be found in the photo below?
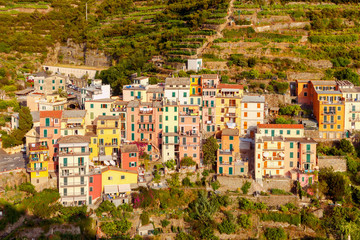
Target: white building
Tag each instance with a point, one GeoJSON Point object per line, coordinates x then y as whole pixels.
{"type": "Point", "coordinates": [177, 89]}
{"type": "Point", "coordinates": [95, 91]}
{"type": "Point", "coordinates": [252, 114]}
{"type": "Point", "coordinates": [142, 80]}
{"type": "Point", "coordinates": [73, 170]}
{"type": "Point", "coordinates": [15, 120]}
{"type": "Point", "coordinates": [76, 72]}
{"type": "Point", "coordinates": [194, 64]}
{"type": "Point", "coordinates": [351, 94]}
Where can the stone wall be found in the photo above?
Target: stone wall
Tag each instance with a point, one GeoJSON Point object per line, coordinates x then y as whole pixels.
{"type": "Point", "coordinates": [304, 76]}
{"type": "Point", "coordinates": [279, 26]}
{"type": "Point", "coordinates": [12, 178]}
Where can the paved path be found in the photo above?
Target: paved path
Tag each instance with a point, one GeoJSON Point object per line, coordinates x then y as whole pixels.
{"type": "Point", "coordinates": [12, 161]}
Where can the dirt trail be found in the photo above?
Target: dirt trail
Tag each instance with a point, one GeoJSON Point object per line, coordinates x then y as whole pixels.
{"type": "Point", "coordinates": [220, 29]}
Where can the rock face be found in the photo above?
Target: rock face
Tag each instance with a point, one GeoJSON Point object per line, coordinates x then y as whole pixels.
{"type": "Point", "coordinates": [77, 54]}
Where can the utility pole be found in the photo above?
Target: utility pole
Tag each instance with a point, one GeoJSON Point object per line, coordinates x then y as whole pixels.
{"type": "Point", "coordinates": [86, 11]}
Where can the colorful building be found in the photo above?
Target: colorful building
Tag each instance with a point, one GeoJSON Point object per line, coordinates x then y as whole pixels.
{"type": "Point", "coordinates": [113, 176]}
{"type": "Point", "coordinates": [195, 85]}
{"type": "Point", "coordinates": [73, 122]}
{"type": "Point", "coordinates": [95, 185]}
{"type": "Point", "coordinates": [134, 92]}
{"type": "Point", "coordinates": [282, 150]}
{"type": "Point", "coordinates": [228, 99]}
{"type": "Point", "coordinates": [129, 157]}
{"type": "Point", "coordinates": [50, 126]}
{"type": "Point", "coordinates": [209, 83]}
{"type": "Point", "coordinates": [189, 132]}
{"type": "Point", "coordinates": [95, 108]}
{"type": "Point", "coordinates": [178, 90]}
{"type": "Point", "coordinates": [74, 170]}
{"type": "Point", "coordinates": [170, 133]}
{"type": "Point", "coordinates": [38, 163]}
{"type": "Point", "coordinates": [252, 114]}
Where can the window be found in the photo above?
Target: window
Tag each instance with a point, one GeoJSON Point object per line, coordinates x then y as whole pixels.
{"type": "Point", "coordinates": [91, 189]}
{"type": "Point", "coordinates": [291, 164]}
{"type": "Point", "coordinates": [182, 119]}
{"type": "Point", "coordinates": [132, 93]}
{"type": "Point", "coordinates": [132, 136]}
{"type": "Point", "coordinates": [47, 122]}
{"type": "Point", "coordinates": [173, 94]}
{"type": "Point", "coordinates": [288, 132]}
{"type": "Point", "coordinates": [245, 105]}
{"type": "Point", "coordinates": [291, 155]}
{"type": "Point", "coordinates": [92, 105]}
{"type": "Point", "coordinates": [339, 108]}
{"type": "Point", "coordinates": [291, 145]}
{"type": "Point", "coordinates": [258, 105]}
{"type": "Point", "coordinates": [194, 140]}
{"type": "Point", "coordinates": [122, 177]}
{"type": "Point", "coordinates": [331, 126]}
{"type": "Point", "coordinates": [339, 117]}
{"type": "Point", "coordinates": [160, 126]}
{"type": "Point", "coordinates": [194, 120]}
{"type": "Point", "coordinates": [281, 132]}
{"type": "Point", "coordinates": [82, 149]}
{"type": "Point", "coordinates": [194, 155]}
{"type": "Point", "coordinates": [245, 125]}
{"type": "Point", "coordinates": [101, 131]}
{"type": "Point", "coordinates": [132, 127]}
{"type": "Point", "coordinates": [55, 131]}
{"type": "Point", "coordinates": [245, 114]}
{"type": "Point", "coordinates": [66, 132]}
{"type": "Point", "coordinates": [94, 141]}
{"type": "Point", "coordinates": [110, 178]}
{"type": "Point", "coordinates": [231, 138]}
{"type": "Point", "coordinates": [166, 118]}
{"type": "Point", "coordinates": [166, 109]}
{"type": "Point", "coordinates": [185, 95]}
{"type": "Point", "coordinates": [305, 94]}
{"type": "Point", "coordinates": [220, 159]}
{"type": "Point", "coordinates": [258, 114]}
{"type": "Point", "coordinates": [338, 126]}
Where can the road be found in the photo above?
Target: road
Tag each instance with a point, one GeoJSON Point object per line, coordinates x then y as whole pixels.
{"type": "Point", "coordinates": [12, 161]}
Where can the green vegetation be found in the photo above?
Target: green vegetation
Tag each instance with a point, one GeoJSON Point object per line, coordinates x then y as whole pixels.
{"type": "Point", "coordinates": [210, 148]}
{"type": "Point", "coordinates": [245, 188]}
{"type": "Point", "coordinates": [281, 217]}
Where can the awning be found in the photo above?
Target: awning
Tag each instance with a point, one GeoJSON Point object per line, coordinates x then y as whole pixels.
{"type": "Point", "coordinates": [123, 188]}
{"type": "Point", "coordinates": [74, 120]}
{"type": "Point", "coordinates": [111, 189]}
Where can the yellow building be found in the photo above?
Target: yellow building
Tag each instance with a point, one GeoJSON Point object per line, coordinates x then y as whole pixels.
{"type": "Point", "coordinates": [195, 85]}
{"type": "Point", "coordinates": [93, 146]}
{"type": "Point", "coordinates": [116, 176]}
{"type": "Point", "coordinates": [108, 132]}
{"type": "Point", "coordinates": [73, 122]}
{"type": "Point", "coordinates": [228, 109]}
{"type": "Point", "coordinates": [38, 163]}
{"type": "Point", "coordinates": [328, 108]}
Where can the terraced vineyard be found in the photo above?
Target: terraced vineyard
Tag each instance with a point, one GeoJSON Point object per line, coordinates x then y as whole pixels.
{"type": "Point", "coordinates": [321, 39]}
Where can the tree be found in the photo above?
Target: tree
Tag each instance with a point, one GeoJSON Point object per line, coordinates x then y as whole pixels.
{"type": "Point", "coordinates": [346, 146]}
{"type": "Point", "coordinates": [187, 162]}
{"type": "Point", "coordinates": [245, 188]}
{"type": "Point", "coordinates": [275, 233]}
{"type": "Point", "coordinates": [25, 120]}
{"type": "Point", "coordinates": [210, 148]}
{"type": "Point", "coordinates": [347, 74]}
{"type": "Point", "coordinates": [244, 221]}
{"type": "Point", "coordinates": [201, 209]}
{"type": "Point", "coordinates": [337, 185]}
{"type": "Point", "coordinates": [27, 187]}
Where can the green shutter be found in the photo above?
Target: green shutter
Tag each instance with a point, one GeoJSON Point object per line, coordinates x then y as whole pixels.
{"type": "Point", "coordinates": [220, 170]}
{"type": "Point", "coordinates": [47, 122]}
{"type": "Point", "coordinates": [129, 164]}
{"type": "Point", "coordinates": [220, 159]}
{"type": "Point", "coordinates": [65, 162]}
{"type": "Point", "coordinates": [230, 171]}
{"type": "Point", "coordinates": [291, 145]}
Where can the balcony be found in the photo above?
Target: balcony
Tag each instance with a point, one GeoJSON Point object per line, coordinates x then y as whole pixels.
{"type": "Point", "coordinates": [29, 169]}
{"type": "Point", "coordinates": [274, 149]}
{"type": "Point", "coordinates": [47, 136]}
{"type": "Point", "coordinates": [74, 165]}
{"type": "Point", "coordinates": [331, 102]}
{"type": "Point", "coordinates": [83, 174]}
{"type": "Point", "coordinates": [189, 113]}
{"type": "Point", "coordinates": [142, 130]}
{"type": "Point", "coordinates": [145, 121]}
{"type": "Point", "coordinates": [328, 113]}
{"type": "Point", "coordinates": [73, 184]}
{"type": "Point", "coordinates": [225, 152]}
{"type": "Point", "coordinates": [273, 158]}
{"type": "Point", "coordinates": [118, 109]}
{"type": "Point", "coordinates": [146, 112]}
{"type": "Point", "coordinates": [308, 152]}
{"type": "Point", "coordinates": [354, 119]}
{"type": "Point", "coordinates": [229, 95]}
{"type": "Point", "coordinates": [273, 167]}
{"type": "Point", "coordinates": [76, 194]}
{"type": "Point", "coordinates": [74, 126]}
{"type": "Point", "coordinates": [71, 153]}
{"type": "Point", "coordinates": [37, 147]}
{"type": "Point", "coordinates": [231, 115]}
{"type": "Point", "coordinates": [188, 133]}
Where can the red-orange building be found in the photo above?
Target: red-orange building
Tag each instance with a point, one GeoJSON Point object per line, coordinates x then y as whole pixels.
{"type": "Point", "coordinates": [129, 157]}
{"type": "Point", "coordinates": [50, 125]}
{"type": "Point", "coordinates": [95, 185]}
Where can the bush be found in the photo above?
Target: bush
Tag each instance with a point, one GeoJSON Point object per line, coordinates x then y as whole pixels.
{"type": "Point", "coordinates": [227, 227]}
{"type": "Point", "coordinates": [276, 191]}
{"type": "Point", "coordinates": [244, 221]}
{"type": "Point", "coordinates": [347, 74]}
{"type": "Point", "coordinates": [145, 218]}
{"type": "Point", "coordinates": [281, 217]}
{"type": "Point", "coordinates": [165, 223]}
{"type": "Point", "coordinates": [27, 187]}
{"type": "Point", "coordinates": [187, 161]}
{"type": "Point", "coordinates": [205, 173]}
{"type": "Point", "coordinates": [186, 182]}
{"type": "Point", "coordinates": [275, 234]}
{"type": "Point", "coordinates": [245, 188]}
{"type": "Point", "coordinates": [215, 185]}
{"type": "Point", "coordinates": [340, 62]}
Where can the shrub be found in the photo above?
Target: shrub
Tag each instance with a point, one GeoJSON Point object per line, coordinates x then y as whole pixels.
{"type": "Point", "coordinates": [215, 185]}
{"type": "Point", "coordinates": [165, 223]}
{"type": "Point", "coordinates": [27, 187]}
{"type": "Point", "coordinates": [244, 221]}
{"type": "Point", "coordinates": [277, 191]}
{"type": "Point", "coordinates": [281, 217]}
{"type": "Point", "coordinates": [145, 218]}
{"type": "Point", "coordinates": [245, 204]}
{"type": "Point", "coordinates": [187, 161]}
{"type": "Point", "coordinates": [186, 182]}
{"type": "Point", "coordinates": [284, 208]}
{"type": "Point", "coordinates": [275, 234]}
{"type": "Point", "coordinates": [205, 173]}
{"type": "Point", "coordinates": [245, 188]}
{"type": "Point", "coordinates": [227, 227]}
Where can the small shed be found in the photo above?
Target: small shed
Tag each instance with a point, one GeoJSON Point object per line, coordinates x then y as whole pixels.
{"type": "Point", "coordinates": [146, 230]}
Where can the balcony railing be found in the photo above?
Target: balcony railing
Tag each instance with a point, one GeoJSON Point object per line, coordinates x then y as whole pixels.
{"type": "Point", "coordinates": [73, 165]}
{"type": "Point", "coordinates": [308, 152]}
{"type": "Point", "coordinates": [47, 136]}
{"type": "Point", "coordinates": [189, 113]}
{"type": "Point", "coordinates": [231, 115]}
{"type": "Point", "coordinates": [76, 194]}
{"type": "Point", "coordinates": [145, 130]}
{"type": "Point", "coordinates": [273, 167]}
{"type": "Point", "coordinates": [188, 133]}
{"type": "Point", "coordinates": [142, 112]}
{"type": "Point", "coordinates": [39, 148]}
{"type": "Point", "coordinates": [29, 169]}
{"type": "Point", "coordinates": [231, 105]}
{"type": "Point", "coordinates": [64, 153]}
{"type": "Point", "coordinates": [229, 151]}
{"type": "Point", "coordinates": [145, 121]}
{"type": "Point", "coordinates": [73, 184]}
{"type": "Point", "coordinates": [74, 175]}
{"type": "Point", "coordinates": [357, 119]}
{"type": "Point", "coordinates": [273, 158]}
{"type": "Point", "coordinates": [118, 109]}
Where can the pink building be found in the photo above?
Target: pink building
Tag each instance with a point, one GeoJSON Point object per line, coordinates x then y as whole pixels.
{"type": "Point", "coordinates": [189, 126]}
{"type": "Point", "coordinates": [144, 126]}
{"type": "Point", "coordinates": [50, 124]}
{"type": "Point", "coordinates": [209, 83]}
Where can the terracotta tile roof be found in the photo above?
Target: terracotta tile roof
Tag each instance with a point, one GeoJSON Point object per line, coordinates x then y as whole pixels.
{"type": "Point", "coordinates": [230, 132]}
{"type": "Point", "coordinates": [233, 86]}
{"type": "Point", "coordinates": [74, 139]}
{"type": "Point", "coordinates": [280, 126]}
{"type": "Point", "coordinates": [51, 114]}
{"type": "Point", "coordinates": [129, 148]}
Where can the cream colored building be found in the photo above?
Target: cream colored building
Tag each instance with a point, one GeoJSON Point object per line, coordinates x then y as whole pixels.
{"type": "Point", "coordinates": [74, 170]}
{"type": "Point", "coordinates": [95, 108]}
{"type": "Point", "coordinates": [134, 92]}
{"type": "Point", "coordinates": [49, 84]}
{"type": "Point", "coordinates": [252, 114]}
{"type": "Point", "coordinates": [170, 136]}
{"type": "Point", "coordinates": [73, 122]}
